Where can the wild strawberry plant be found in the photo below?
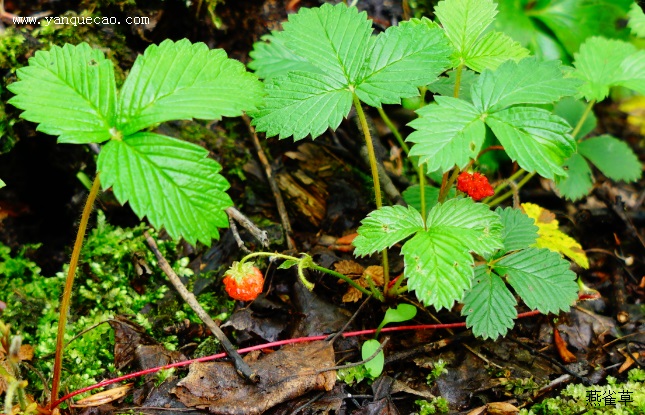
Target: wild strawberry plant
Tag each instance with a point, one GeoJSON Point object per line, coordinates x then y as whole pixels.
{"type": "Point", "coordinates": [70, 92]}
{"type": "Point", "coordinates": [602, 64]}
{"type": "Point", "coordinates": [326, 58]}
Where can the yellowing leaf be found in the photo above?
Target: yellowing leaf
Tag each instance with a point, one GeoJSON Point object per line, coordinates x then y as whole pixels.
{"type": "Point", "coordinates": [635, 109]}
{"type": "Point", "coordinates": [551, 237]}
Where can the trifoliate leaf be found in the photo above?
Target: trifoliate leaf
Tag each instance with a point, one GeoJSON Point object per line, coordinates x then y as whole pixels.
{"type": "Point", "coordinates": [172, 182]}
{"type": "Point", "coordinates": [550, 236]}
{"type": "Point", "coordinates": [337, 41]}
{"type": "Point", "coordinates": [636, 20]}
{"type": "Point", "coordinates": [541, 277]}
{"type": "Point", "coordinates": [465, 21]}
{"type": "Point", "coordinates": [535, 138]}
{"type": "Point", "coordinates": [438, 263]}
{"type": "Point", "coordinates": [519, 230]}
{"type": "Point", "coordinates": [489, 305]}
{"type": "Point", "coordinates": [181, 80]}
{"type": "Point", "coordinates": [578, 182]}
{"type": "Point", "coordinates": [386, 226]}
{"type": "Point", "coordinates": [70, 92]}
{"type": "Point", "coordinates": [302, 103]}
{"type": "Point", "coordinates": [602, 63]}
{"type": "Point", "coordinates": [528, 81]}
{"type": "Point", "coordinates": [613, 157]}
{"type": "Point", "coordinates": [402, 59]}
{"type": "Point", "coordinates": [572, 110]}
{"type": "Point", "coordinates": [333, 38]}
{"type": "Point", "coordinates": [446, 85]}
{"type": "Point", "coordinates": [272, 58]}
{"type": "Point", "coordinates": [448, 132]}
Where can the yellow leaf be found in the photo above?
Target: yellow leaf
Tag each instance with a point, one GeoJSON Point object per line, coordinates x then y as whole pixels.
{"type": "Point", "coordinates": [635, 109]}
{"type": "Point", "coordinates": [550, 236]}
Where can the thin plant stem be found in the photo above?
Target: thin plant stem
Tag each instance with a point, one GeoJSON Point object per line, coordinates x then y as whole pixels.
{"type": "Point", "coordinates": [582, 119]}
{"type": "Point", "coordinates": [505, 183]}
{"type": "Point", "coordinates": [375, 178]}
{"type": "Point", "coordinates": [422, 192]}
{"type": "Point", "coordinates": [510, 193]}
{"type": "Point", "coordinates": [69, 283]}
{"type": "Point", "coordinates": [394, 130]}
{"type": "Point", "coordinates": [458, 80]}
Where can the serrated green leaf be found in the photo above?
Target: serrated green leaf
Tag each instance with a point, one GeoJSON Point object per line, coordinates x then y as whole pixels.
{"type": "Point", "coordinates": [636, 20]}
{"type": "Point", "coordinates": [333, 38]}
{"type": "Point", "coordinates": [598, 63]}
{"type": "Point", "coordinates": [542, 278]}
{"type": "Point", "coordinates": [535, 138]}
{"type": "Point", "coordinates": [613, 157]}
{"type": "Point", "coordinates": [438, 267]}
{"type": "Point", "coordinates": [302, 103]}
{"type": "Point", "coordinates": [632, 72]}
{"type": "Point", "coordinates": [272, 58]}
{"type": "Point", "coordinates": [172, 182]}
{"type": "Point", "coordinates": [438, 263]}
{"type": "Point", "coordinates": [492, 50]}
{"type": "Point", "coordinates": [446, 85]}
{"type": "Point", "coordinates": [402, 59]}
{"type": "Point", "coordinates": [489, 305]}
{"type": "Point", "coordinates": [578, 182]}
{"type": "Point", "coordinates": [519, 230]}
{"type": "Point", "coordinates": [474, 224]}
{"type": "Point", "coordinates": [465, 21]}
{"type": "Point", "coordinates": [574, 21]}
{"type": "Point", "coordinates": [70, 92]}
{"type": "Point", "coordinates": [528, 81]}
{"type": "Point", "coordinates": [572, 110]}
{"type": "Point", "coordinates": [374, 367]}
{"type": "Point", "coordinates": [384, 227]}
{"type": "Point", "coordinates": [182, 80]}
{"type": "Point", "coordinates": [448, 132]}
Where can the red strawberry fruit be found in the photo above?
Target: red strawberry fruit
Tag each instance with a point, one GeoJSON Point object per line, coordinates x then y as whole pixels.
{"type": "Point", "coordinates": [474, 185]}
{"type": "Point", "coordinates": [243, 281]}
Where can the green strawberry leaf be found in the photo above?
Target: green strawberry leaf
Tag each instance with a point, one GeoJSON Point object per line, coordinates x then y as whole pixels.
{"type": "Point", "coordinates": [302, 103]}
{"type": "Point", "coordinates": [438, 263]}
{"type": "Point", "coordinates": [448, 132]}
{"type": "Point", "coordinates": [172, 182]}
{"type": "Point", "coordinates": [181, 80]}
{"type": "Point", "coordinates": [337, 41]}
{"type": "Point", "coordinates": [402, 59]}
{"type": "Point", "coordinates": [386, 226]}
{"type": "Point", "coordinates": [613, 157]}
{"type": "Point", "coordinates": [446, 85]}
{"type": "Point", "coordinates": [489, 305]}
{"type": "Point", "coordinates": [519, 230]}
{"type": "Point", "coordinates": [374, 367]}
{"type": "Point", "coordinates": [272, 58]}
{"type": "Point", "coordinates": [535, 138]}
{"type": "Point", "coordinates": [541, 277]}
{"type": "Point", "coordinates": [465, 22]}
{"type": "Point", "coordinates": [636, 20]}
{"type": "Point", "coordinates": [412, 196]}
{"type": "Point", "coordinates": [578, 181]}
{"type": "Point", "coordinates": [602, 63]}
{"type": "Point", "coordinates": [70, 92]}
{"type": "Point", "coordinates": [528, 81]}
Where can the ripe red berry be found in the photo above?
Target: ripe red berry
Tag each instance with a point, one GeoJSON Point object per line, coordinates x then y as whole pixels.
{"type": "Point", "coordinates": [244, 281]}
{"type": "Point", "coordinates": [474, 185]}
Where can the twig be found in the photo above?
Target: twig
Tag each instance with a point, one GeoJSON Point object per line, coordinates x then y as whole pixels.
{"type": "Point", "coordinates": [236, 236]}
{"type": "Point", "coordinates": [277, 195]}
{"type": "Point", "coordinates": [240, 365]}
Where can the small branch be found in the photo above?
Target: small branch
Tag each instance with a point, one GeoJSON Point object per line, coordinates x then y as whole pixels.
{"type": "Point", "coordinates": [246, 223]}
{"type": "Point", "coordinates": [277, 195]}
{"type": "Point", "coordinates": [240, 365]}
{"type": "Point", "coordinates": [236, 236]}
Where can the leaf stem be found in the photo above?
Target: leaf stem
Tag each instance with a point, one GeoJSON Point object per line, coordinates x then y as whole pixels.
{"type": "Point", "coordinates": [458, 80]}
{"type": "Point", "coordinates": [394, 130]}
{"type": "Point", "coordinates": [508, 194]}
{"type": "Point", "coordinates": [582, 119]}
{"type": "Point", "coordinates": [422, 192]}
{"type": "Point", "coordinates": [375, 178]}
{"type": "Point", "coordinates": [69, 282]}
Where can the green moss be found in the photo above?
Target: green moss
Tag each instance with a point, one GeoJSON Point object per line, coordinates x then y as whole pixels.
{"type": "Point", "coordinates": [628, 398]}
{"type": "Point", "coordinates": [12, 47]}
{"type": "Point", "coordinates": [436, 406]}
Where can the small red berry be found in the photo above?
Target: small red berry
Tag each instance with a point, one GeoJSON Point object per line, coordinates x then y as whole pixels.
{"type": "Point", "coordinates": [244, 281]}
{"type": "Point", "coordinates": [474, 185]}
